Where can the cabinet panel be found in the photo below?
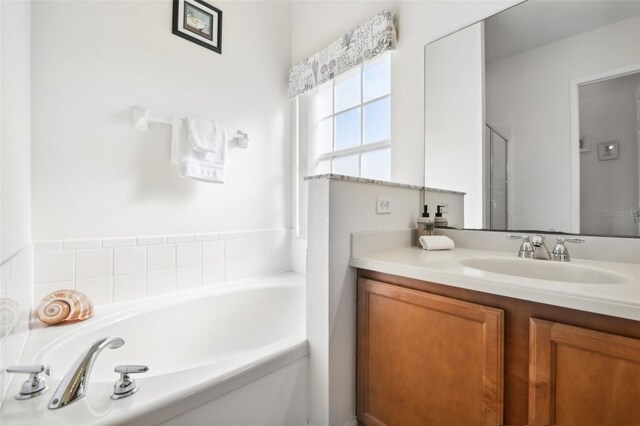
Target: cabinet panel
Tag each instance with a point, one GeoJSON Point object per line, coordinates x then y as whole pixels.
{"type": "Point", "coordinates": [582, 377]}
{"type": "Point", "coordinates": [427, 360]}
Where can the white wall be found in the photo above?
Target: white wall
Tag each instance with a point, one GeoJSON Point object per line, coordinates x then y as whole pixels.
{"type": "Point", "coordinates": [527, 100]}
{"type": "Point", "coordinates": [15, 213]}
{"type": "Point", "coordinates": [315, 24]}
{"type": "Point", "coordinates": [608, 113]}
{"type": "Point", "coordinates": [454, 117]}
{"type": "Point", "coordinates": [95, 176]}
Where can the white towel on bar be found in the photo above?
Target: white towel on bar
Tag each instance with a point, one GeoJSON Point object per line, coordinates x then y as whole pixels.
{"type": "Point", "coordinates": [202, 134]}
{"type": "Point", "coordinates": [436, 242]}
{"type": "Point", "coordinates": [204, 166]}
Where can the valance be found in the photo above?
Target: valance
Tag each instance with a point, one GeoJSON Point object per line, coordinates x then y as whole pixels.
{"type": "Point", "coordinates": [367, 41]}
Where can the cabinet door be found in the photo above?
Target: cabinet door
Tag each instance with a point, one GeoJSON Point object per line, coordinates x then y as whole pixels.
{"type": "Point", "coordinates": [427, 360]}
{"type": "Point", "coordinates": [582, 377]}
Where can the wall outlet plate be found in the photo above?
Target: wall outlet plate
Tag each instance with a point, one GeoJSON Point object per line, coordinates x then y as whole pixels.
{"type": "Point", "coordinates": [383, 205]}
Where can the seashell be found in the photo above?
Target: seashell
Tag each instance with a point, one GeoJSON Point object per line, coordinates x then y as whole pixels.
{"type": "Point", "coordinates": [65, 306]}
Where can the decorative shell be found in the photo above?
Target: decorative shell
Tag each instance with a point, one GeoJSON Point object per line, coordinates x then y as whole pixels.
{"type": "Point", "coordinates": [65, 306]}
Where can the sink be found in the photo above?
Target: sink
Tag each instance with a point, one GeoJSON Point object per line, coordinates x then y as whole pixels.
{"type": "Point", "coordinates": [544, 270]}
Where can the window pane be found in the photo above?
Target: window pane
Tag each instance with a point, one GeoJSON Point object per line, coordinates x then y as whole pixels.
{"type": "Point", "coordinates": [323, 167]}
{"type": "Point", "coordinates": [377, 164]}
{"type": "Point", "coordinates": [348, 129]}
{"type": "Point", "coordinates": [377, 78]}
{"type": "Point", "coordinates": [325, 136]}
{"type": "Point", "coordinates": [323, 100]}
{"type": "Point", "coordinates": [377, 121]}
{"type": "Point", "coordinates": [347, 165]}
{"type": "Point", "coordinates": [348, 90]}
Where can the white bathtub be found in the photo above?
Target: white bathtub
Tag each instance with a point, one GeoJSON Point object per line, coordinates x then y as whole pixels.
{"type": "Point", "coordinates": [199, 345]}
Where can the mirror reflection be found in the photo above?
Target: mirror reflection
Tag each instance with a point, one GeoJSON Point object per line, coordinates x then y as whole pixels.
{"type": "Point", "coordinates": [535, 114]}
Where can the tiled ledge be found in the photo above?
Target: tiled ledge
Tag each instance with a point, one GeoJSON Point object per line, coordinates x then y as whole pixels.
{"type": "Point", "coordinates": [115, 270]}
{"type": "Point", "coordinates": [333, 176]}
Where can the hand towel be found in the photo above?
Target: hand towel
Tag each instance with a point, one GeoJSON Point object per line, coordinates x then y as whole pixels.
{"type": "Point", "coordinates": [204, 166]}
{"type": "Point", "coordinates": [436, 242]}
{"type": "Point", "coordinates": [202, 134]}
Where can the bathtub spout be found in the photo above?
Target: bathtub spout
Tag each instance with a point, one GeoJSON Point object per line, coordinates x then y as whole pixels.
{"type": "Point", "coordinates": [74, 384]}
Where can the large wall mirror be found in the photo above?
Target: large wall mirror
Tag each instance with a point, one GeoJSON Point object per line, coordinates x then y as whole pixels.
{"type": "Point", "coordinates": [535, 114]}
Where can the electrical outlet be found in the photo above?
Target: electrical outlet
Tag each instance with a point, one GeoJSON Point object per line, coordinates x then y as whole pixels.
{"type": "Point", "coordinates": [383, 205]}
{"type": "Point", "coordinates": [445, 207]}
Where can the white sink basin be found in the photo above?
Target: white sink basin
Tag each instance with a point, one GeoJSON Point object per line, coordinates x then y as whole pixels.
{"type": "Point", "coordinates": [544, 270]}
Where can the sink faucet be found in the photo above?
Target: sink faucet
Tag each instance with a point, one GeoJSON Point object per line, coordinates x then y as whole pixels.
{"type": "Point", "coordinates": [74, 384]}
{"type": "Point", "coordinates": [540, 250]}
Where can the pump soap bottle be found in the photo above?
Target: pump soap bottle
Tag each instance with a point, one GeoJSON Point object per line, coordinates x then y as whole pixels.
{"type": "Point", "coordinates": [440, 222]}
{"type": "Point", "coordinates": [425, 223]}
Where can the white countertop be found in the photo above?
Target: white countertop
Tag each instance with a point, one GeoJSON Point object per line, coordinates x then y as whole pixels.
{"type": "Point", "coordinates": [444, 267]}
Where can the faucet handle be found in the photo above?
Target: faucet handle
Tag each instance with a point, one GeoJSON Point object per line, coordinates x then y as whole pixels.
{"type": "Point", "coordinates": [560, 252]}
{"type": "Point", "coordinates": [126, 386]}
{"type": "Point", "coordinates": [35, 385]}
{"type": "Point", "coordinates": [526, 249]}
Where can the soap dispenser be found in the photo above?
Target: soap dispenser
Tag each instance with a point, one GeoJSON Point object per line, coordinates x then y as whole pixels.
{"type": "Point", "coordinates": [425, 223]}
{"type": "Point", "coordinates": [440, 222]}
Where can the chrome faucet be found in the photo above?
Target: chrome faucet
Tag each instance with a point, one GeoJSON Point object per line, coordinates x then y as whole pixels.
{"type": "Point", "coordinates": [74, 384]}
{"type": "Point", "coordinates": [560, 252]}
{"type": "Point", "coordinates": [540, 250]}
{"type": "Point", "coordinates": [526, 249]}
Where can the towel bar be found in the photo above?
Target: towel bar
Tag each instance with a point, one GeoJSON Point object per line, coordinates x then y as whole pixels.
{"type": "Point", "coordinates": [141, 120]}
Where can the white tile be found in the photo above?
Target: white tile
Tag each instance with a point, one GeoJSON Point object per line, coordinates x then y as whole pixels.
{"type": "Point", "coordinates": [129, 287]}
{"type": "Point", "coordinates": [161, 257]}
{"type": "Point", "coordinates": [118, 242]}
{"type": "Point", "coordinates": [228, 235]}
{"type": "Point", "coordinates": [272, 244]}
{"type": "Point", "coordinates": [206, 237]}
{"type": "Point", "coordinates": [267, 232]}
{"type": "Point", "coordinates": [254, 247]}
{"type": "Point", "coordinates": [254, 267]}
{"type": "Point", "coordinates": [250, 234]}
{"type": "Point", "coordinates": [81, 244]}
{"type": "Point", "coordinates": [234, 270]}
{"type": "Point", "coordinates": [172, 239]}
{"type": "Point", "coordinates": [94, 263]}
{"type": "Point", "coordinates": [188, 254]}
{"type": "Point", "coordinates": [129, 260]}
{"type": "Point", "coordinates": [234, 249]}
{"type": "Point", "coordinates": [47, 245]}
{"type": "Point", "coordinates": [189, 277]}
{"type": "Point", "coordinates": [40, 291]}
{"type": "Point", "coordinates": [53, 266]}
{"type": "Point", "coordinates": [213, 251]}
{"type": "Point", "coordinates": [161, 282]}
{"type": "Point", "coordinates": [212, 273]}
{"type": "Point", "coordinates": [277, 264]}
{"type": "Point", "coordinates": [99, 290]}
{"type": "Point", "coordinates": [152, 241]}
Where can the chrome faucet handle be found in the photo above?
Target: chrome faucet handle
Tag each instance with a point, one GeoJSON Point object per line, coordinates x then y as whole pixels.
{"type": "Point", "coordinates": [526, 249]}
{"type": "Point", "coordinates": [560, 252]}
{"type": "Point", "coordinates": [35, 384]}
{"type": "Point", "coordinates": [126, 386]}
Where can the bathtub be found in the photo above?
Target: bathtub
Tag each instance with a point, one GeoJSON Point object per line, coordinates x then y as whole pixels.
{"type": "Point", "coordinates": [226, 354]}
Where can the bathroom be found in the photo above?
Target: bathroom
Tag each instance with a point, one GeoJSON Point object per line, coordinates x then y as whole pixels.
{"type": "Point", "coordinates": [213, 212]}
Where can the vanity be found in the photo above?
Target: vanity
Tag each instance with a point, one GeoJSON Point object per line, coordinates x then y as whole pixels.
{"type": "Point", "coordinates": [461, 337]}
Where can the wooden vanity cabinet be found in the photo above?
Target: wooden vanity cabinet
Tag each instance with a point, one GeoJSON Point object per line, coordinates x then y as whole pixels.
{"type": "Point", "coordinates": [422, 359]}
{"type": "Point", "coordinates": [427, 359]}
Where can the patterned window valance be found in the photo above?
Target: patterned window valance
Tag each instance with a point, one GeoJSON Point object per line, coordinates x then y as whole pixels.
{"type": "Point", "coordinates": [367, 41]}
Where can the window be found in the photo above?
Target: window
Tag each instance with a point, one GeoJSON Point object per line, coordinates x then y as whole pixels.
{"type": "Point", "coordinates": [349, 122]}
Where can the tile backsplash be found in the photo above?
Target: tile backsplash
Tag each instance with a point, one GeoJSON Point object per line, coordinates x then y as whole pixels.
{"type": "Point", "coordinates": [115, 270]}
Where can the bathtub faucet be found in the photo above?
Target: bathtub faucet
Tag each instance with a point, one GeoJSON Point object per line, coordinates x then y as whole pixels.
{"type": "Point", "coordinates": [74, 384]}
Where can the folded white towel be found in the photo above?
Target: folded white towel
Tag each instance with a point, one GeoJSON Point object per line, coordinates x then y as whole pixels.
{"type": "Point", "coordinates": [205, 166]}
{"type": "Point", "coordinates": [202, 134]}
{"type": "Point", "coordinates": [436, 242]}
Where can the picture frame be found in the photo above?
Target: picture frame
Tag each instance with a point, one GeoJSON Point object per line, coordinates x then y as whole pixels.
{"type": "Point", "coordinates": [198, 22]}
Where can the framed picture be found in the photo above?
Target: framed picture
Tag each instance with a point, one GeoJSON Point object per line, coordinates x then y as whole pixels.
{"type": "Point", "coordinates": [199, 22]}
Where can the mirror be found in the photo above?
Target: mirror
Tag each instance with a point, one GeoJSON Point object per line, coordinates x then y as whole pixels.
{"type": "Point", "coordinates": [535, 114]}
